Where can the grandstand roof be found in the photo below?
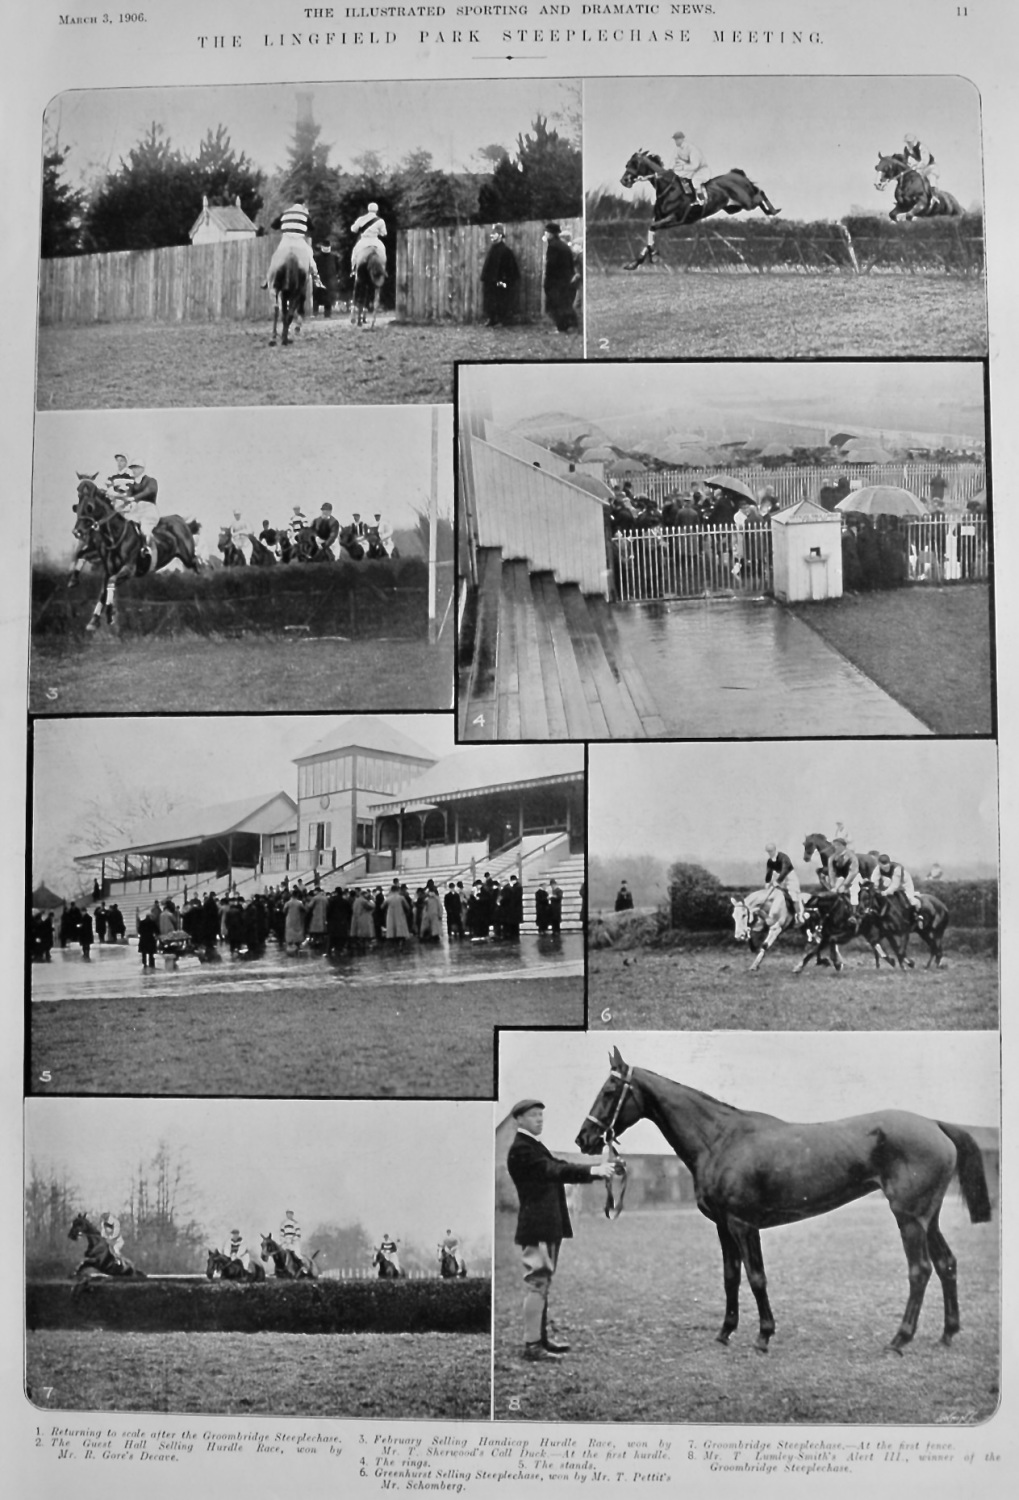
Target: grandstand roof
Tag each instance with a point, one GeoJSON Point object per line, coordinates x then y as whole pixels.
{"type": "Point", "coordinates": [269, 812]}
{"type": "Point", "coordinates": [474, 773]}
{"type": "Point", "coordinates": [367, 733]}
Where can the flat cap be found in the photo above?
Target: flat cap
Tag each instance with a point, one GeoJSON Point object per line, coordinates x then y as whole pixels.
{"type": "Point", "coordinates": [524, 1105]}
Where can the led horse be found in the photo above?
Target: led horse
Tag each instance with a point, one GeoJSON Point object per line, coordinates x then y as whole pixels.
{"type": "Point", "coordinates": [752, 1171]}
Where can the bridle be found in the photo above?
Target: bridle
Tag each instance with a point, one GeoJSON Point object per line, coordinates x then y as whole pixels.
{"type": "Point", "coordinates": [608, 1131]}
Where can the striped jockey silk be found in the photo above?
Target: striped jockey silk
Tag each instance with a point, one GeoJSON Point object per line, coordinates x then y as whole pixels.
{"type": "Point", "coordinates": [295, 220]}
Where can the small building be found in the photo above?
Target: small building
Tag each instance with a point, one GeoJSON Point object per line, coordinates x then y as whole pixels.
{"type": "Point", "coordinates": [217, 223]}
{"type": "Point", "coordinates": [806, 544]}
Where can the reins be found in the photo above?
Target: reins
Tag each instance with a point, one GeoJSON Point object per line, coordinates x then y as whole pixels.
{"type": "Point", "coordinates": [613, 1197]}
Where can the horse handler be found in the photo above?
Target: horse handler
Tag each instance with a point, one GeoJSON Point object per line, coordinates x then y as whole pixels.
{"type": "Point", "coordinates": [543, 1221]}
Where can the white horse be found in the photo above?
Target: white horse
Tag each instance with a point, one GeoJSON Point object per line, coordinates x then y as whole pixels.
{"type": "Point", "coordinates": [760, 919]}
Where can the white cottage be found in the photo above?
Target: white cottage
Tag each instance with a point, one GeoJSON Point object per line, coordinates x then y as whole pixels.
{"type": "Point", "coordinates": [217, 223]}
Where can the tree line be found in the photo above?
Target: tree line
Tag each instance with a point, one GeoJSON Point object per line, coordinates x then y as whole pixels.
{"type": "Point", "coordinates": [154, 195]}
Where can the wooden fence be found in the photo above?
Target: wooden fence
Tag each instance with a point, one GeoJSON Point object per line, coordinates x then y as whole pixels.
{"type": "Point", "coordinates": [438, 271]}
{"type": "Point", "coordinates": [964, 481]}
{"type": "Point", "coordinates": [177, 284]}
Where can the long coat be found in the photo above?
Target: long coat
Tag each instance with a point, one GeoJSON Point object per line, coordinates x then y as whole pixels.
{"type": "Point", "coordinates": [396, 916]}
{"type": "Point", "coordinates": [431, 917]}
{"type": "Point", "coordinates": [362, 926]}
{"type": "Point", "coordinates": [538, 1177]}
{"type": "Point", "coordinates": [293, 927]}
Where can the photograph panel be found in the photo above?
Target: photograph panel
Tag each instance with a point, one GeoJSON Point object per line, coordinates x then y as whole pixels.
{"type": "Point", "coordinates": [242, 561]}
{"type": "Point", "coordinates": [244, 1258]}
{"type": "Point", "coordinates": [723, 551]}
{"type": "Point", "coordinates": [297, 906]}
{"type": "Point", "coordinates": [408, 224]}
{"type": "Point", "coordinates": [636, 1307]}
{"type": "Point", "coordinates": [853, 224]}
{"type": "Point", "coordinates": [783, 887]}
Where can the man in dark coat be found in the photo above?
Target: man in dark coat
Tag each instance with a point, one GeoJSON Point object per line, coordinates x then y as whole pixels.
{"type": "Point", "coordinates": [543, 1221]}
{"type": "Point", "coordinates": [624, 897]}
{"type": "Point", "coordinates": [453, 903]}
{"type": "Point", "coordinates": [327, 264]}
{"type": "Point", "coordinates": [512, 909]}
{"type": "Point", "coordinates": [500, 277]}
{"type": "Point", "coordinates": [541, 914]}
{"type": "Point", "coordinates": [560, 283]}
{"type": "Point", "coordinates": [555, 908]}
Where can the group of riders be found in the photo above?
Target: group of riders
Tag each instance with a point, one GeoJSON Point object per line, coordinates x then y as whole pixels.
{"type": "Point", "coordinates": [369, 229]}
{"type": "Point", "coordinates": [843, 872]}
{"type": "Point", "coordinates": [234, 1261]}
{"type": "Point", "coordinates": [305, 538]}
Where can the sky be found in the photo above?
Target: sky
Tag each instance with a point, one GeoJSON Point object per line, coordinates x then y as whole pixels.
{"type": "Point", "coordinates": [810, 143]}
{"type": "Point", "coordinates": [917, 800]}
{"type": "Point", "coordinates": [410, 1169]}
{"type": "Point", "coordinates": [263, 460]}
{"type": "Point", "coordinates": [197, 762]}
{"type": "Point", "coordinates": [942, 397]}
{"type": "Point", "coordinates": [452, 120]}
{"type": "Point", "coordinates": [822, 1075]}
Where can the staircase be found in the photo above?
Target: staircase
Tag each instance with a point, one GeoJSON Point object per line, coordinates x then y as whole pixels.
{"type": "Point", "coordinates": [547, 664]}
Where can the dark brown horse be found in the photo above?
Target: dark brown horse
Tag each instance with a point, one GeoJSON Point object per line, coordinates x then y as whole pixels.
{"type": "Point", "coordinates": [900, 918]}
{"type": "Point", "coordinates": [289, 1266]}
{"type": "Point", "coordinates": [914, 196]}
{"type": "Point", "coordinates": [99, 1259]}
{"type": "Point", "coordinates": [752, 1171]}
{"type": "Point", "coordinates": [368, 267]}
{"type": "Point", "coordinates": [677, 204]}
{"type": "Point", "coordinates": [289, 287]}
{"type": "Point", "coordinates": [228, 1268]}
{"type": "Point", "coordinates": [109, 538]}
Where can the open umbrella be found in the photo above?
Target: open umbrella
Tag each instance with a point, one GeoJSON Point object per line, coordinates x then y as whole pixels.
{"type": "Point", "coordinates": [624, 466]}
{"type": "Point", "coordinates": [775, 450]}
{"type": "Point", "coordinates": [882, 500]}
{"type": "Point", "coordinates": [734, 486]}
{"type": "Point", "coordinates": [601, 452]}
{"type": "Point", "coordinates": [690, 457]}
{"type": "Point", "coordinates": [865, 455]}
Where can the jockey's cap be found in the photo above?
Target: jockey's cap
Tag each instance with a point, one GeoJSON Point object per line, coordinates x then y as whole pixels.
{"type": "Point", "coordinates": [326, 505]}
{"type": "Point", "coordinates": [137, 465]}
{"type": "Point", "coordinates": [771, 848]}
{"type": "Point", "coordinates": [884, 859]}
{"type": "Point", "coordinates": [373, 208]}
{"type": "Point", "coordinates": [378, 515]}
{"type": "Point", "coordinates": [524, 1105]}
{"type": "Point", "coordinates": [911, 140]}
{"type": "Point", "coordinates": [121, 456]}
{"type": "Point", "coordinates": [679, 135]}
{"type": "Point", "coordinates": [838, 843]}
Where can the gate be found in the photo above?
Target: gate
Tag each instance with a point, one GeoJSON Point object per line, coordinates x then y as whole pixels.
{"type": "Point", "coordinates": [692, 562]}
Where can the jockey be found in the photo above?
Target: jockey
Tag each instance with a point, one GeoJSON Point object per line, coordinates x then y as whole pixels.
{"type": "Point", "coordinates": [235, 1249]}
{"type": "Point", "coordinates": [109, 1228]}
{"type": "Point", "coordinates": [360, 527]}
{"type": "Point", "coordinates": [240, 535]}
{"type": "Point", "coordinates": [779, 875]}
{"type": "Point", "coordinates": [120, 482]}
{"type": "Point", "coordinates": [844, 871]}
{"type": "Point", "coordinates": [270, 538]}
{"type": "Point", "coordinates": [294, 223]}
{"type": "Point", "coordinates": [327, 528]}
{"type": "Point", "coordinates": [689, 165]}
{"type": "Point", "coordinates": [921, 160]}
{"type": "Point", "coordinates": [290, 1235]}
{"type": "Point", "coordinates": [451, 1245]}
{"type": "Point", "coordinates": [298, 521]}
{"type": "Point", "coordinates": [390, 1249]}
{"type": "Point", "coordinates": [137, 502]}
{"type": "Point", "coordinates": [385, 532]}
{"type": "Point", "coordinates": [891, 878]}
{"type": "Point", "coordinates": [370, 226]}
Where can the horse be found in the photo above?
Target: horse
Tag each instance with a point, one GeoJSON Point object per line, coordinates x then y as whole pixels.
{"type": "Point", "coordinates": [289, 286]}
{"type": "Point", "coordinates": [830, 920]}
{"type": "Point", "coordinates": [448, 1268]}
{"type": "Point", "coordinates": [914, 196]}
{"type": "Point", "coordinates": [900, 918]}
{"type": "Point", "coordinates": [350, 540]}
{"type": "Point", "coordinates": [288, 1264]}
{"type": "Point", "coordinates": [759, 920]}
{"type": "Point", "coordinates": [368, 267]}
{"type": "Point", "coordinates": [822, 846]}
{"type": "Point", "coordinates": [99, 1259]}
{"type": "Point", "coordinates": [233, 556]}
{"type": "Point", "coordinates": [113, 541]}
{"type": "Point", "coordinates": [388, 1270]}
{"type": "Point", "coordinates": [376, 550]}
{"type": "Point", "coordinates": [752, 1171]}
{"type": "Point", "coordinates": [308, 548]}
{"type": "Point", "coordinates": [227, 1268]}
{"type": "Point", "coordinates": [732, 192]}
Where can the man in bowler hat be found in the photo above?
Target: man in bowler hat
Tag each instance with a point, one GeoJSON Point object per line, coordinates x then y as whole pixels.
{"type": "Point", "coordinates": [543, 1222]}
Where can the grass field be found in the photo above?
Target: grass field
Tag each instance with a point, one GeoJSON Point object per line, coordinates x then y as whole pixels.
{"type": "Point", "coordinates": [430, 1041]}
{"type": "Point", "coordinates": [640, 1300]}
{"type": "Point", "coordinates": [327, 1375]}
{"type": "Point", "coordinates": [930, 648]}
{"type": "Point", "coordinates": [782, 315]}
{"type": "Point", "coordinates": [231, 364]}
{"type": "Point", "coordinates": [711, 989]}
{"type": "Point", "coordinates": [125, 674]}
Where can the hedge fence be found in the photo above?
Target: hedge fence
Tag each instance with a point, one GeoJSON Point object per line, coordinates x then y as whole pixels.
{"type": "Point", "coordinates": [857, 243]}
{"type": "Point", "coordinates": [372, 1306]}
{"type": "Point", "coordinates": [388, 597]}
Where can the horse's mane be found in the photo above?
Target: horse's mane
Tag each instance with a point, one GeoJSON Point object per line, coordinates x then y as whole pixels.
{"type": "Point", "coordinates": [651, 155]}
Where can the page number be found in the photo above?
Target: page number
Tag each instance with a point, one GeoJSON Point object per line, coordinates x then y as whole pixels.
{"type": "Point", "coordinates": [962, 10]}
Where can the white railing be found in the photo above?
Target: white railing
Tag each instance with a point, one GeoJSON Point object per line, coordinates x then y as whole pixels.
{"type": "Point", "coordinates": [690, 562]}
{"type": "Point", "coordinates": [963, 481]}
{"type": "Point", "coordinates": [948, 549]}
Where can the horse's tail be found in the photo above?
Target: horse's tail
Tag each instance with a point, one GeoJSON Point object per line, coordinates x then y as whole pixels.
{"type": "Point", "coordinates": [970, 1167]}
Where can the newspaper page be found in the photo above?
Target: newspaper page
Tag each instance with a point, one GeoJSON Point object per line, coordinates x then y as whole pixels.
{"type": "Point", "coordinates": [484, 482]}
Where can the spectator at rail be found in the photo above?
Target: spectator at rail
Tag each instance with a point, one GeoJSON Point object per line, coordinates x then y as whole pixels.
{"type": "Point", "coordinates": [326, 294]}
{"type": "Point", "coordinates": [852, 576]}
{"type": "Point", "coordinates": [430, 930]}
{"type": "Point", "coordinates": [101, 922]}
{"type": "Point", "coordinates": [115, 923]}
{"type": "Point", "coordinates": [233, 927]}
{"type": "Point", "coordinates": [513, 909]}
{"type": "Point", "coordinates": [938, 490]}
{"type": "Point", "coordinates": [378, 900]}
{"type": "Point", "coordinates": [869, 553]}
{"type": "Point", "coordinates": [293, 922]}
{"type": "Point", "coordinates": [168, 920]}
{"type": "Point", "coordinates": [555, 907]}
{"type": "Point", "coordinates": [338, 915]}
{"type": "Point", "coordinates": [454, 911]}
{"type": "Point", "coordinates": [317, 907]}
{"type": "Point", "coordinates": [362, 924]}
{"type": "Point", "coordinates": [477, 913]}
{"type": "Point", "coordinates": [624, 897]}
{"type": "Point", "coordinates": [541, 908]}
{"type": "Point", "coordinates": [559, 281]}
{"type": "Point", "coordinates": [86, 935]}
{"type": "Point", "coordinates": [500, 277]}
{"type": "Point", "coordinates": [148, 937]}
{"type": "Point", "coordinates": [397, 925]}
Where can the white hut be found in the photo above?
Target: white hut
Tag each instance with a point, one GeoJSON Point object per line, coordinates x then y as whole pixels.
{"type": "Point", "coordinates": [806, 543]}
{"type": "Point", "coordinates": [217, 223]}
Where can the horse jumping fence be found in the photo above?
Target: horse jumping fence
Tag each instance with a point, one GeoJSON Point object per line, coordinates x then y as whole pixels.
{"type": "Point", "coordinates": [438, 271]}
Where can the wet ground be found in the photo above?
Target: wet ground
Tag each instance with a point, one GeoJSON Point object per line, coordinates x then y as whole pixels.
{"type": "Point", "coordinates": [731, 668]}
{"type": "Point", "coordinates": [419, 1023]}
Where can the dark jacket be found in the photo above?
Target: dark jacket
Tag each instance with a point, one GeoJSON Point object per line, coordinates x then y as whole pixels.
{"type": "Point", "coordinates": [538, 1177]}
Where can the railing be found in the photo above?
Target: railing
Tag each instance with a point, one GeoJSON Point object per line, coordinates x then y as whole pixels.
{"type": "Point", "coordinates": [690, 562]}
{"type": "Point", "coordinates": [948, 549]}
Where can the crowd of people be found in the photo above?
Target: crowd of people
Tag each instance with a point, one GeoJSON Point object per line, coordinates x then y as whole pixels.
{"type": "Point", "coordinates": [295, 916]}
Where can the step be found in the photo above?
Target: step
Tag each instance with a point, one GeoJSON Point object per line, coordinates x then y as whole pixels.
{"type": "Point", "coordinates": [603, 681]}
{"type": "Point", "coordinates": [480, 714]}
{"type": "Point", "coordinates": [625, 668]}
{"type": "Point", "coordinates": [584, 720]}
